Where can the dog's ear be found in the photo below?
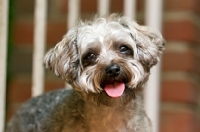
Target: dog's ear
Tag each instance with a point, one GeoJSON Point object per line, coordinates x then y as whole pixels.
{"type": "Point", "coordinates": [149, 43]}
{"type": "Point", "coordinates": [63, 59]}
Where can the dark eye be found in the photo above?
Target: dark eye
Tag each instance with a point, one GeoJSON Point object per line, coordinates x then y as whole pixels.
{"type": "Point", "coordinates": [89, 59]}
{"type": "Point", "coordinates": [90, 56]}
{"type": "Point", "coordinates": [125, 50]}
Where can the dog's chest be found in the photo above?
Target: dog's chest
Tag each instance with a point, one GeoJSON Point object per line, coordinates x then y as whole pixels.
{"type": "Point", "coordinates": [109, 120]}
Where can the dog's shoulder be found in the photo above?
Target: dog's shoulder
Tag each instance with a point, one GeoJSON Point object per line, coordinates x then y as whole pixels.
{"type": "Point", "coordinates": [32, 113]}
{"type": "Point", "coordinates": [46, 102]}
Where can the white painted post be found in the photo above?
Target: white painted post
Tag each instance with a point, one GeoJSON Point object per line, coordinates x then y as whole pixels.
{"type": "Point", "coordinates": [3, 58]}
{"type": "Point", "coordinates": [39, 47]}
{"type": "Point", "coordinates": [73, 12]}
{"type": "Point", "coordinates": [73, 16]}
{"type": "Point", "coordinates": [130, 8]}
{"type": "Point", "coordinates": [152, 93]}
{"type": "Point", "coordinates": [103, 7]}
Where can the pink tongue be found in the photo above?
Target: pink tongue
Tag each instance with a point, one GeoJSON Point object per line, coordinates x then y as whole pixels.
{"type": "Point", "coordinates": [115, 90]}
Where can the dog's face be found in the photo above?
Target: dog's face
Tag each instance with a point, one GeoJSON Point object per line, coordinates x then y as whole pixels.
{"type": "Point", "coordinates": [108, 58]}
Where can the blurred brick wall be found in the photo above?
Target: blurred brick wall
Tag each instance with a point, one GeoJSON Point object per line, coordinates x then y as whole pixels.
{"type": "Point", "coordinates": [181, 70]}
{"type": "Point", "coordinates": [180, 91]}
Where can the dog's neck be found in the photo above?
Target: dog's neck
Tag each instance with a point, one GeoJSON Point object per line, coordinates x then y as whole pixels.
{"type": "Point", "coordinates": [92, 117]}
{"type": "Point", "coordinates": [111, 118]}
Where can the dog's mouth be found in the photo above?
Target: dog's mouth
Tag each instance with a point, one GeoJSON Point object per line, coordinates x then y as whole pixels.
{"type": "Point", "coordinates": [115, 89]}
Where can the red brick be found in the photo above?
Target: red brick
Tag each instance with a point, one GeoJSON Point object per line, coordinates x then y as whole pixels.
{"type": "Point", "coordinates": [178, 121]}
{"type": "Point", "coordinates": [177, 5]}
{"type": "Point", "coordinates": [184, 30]}
{"type": "Point", "coordinates": [23, 32]}
{"type": "Point", "coordinates": [18, 91]}
{"type": "Point", "coordinates": [90, 6]}
{"type": "Point", "coordinates": [49, 86]}
{"type": "Point", "coordinates": [116, 5]}
{"type": "Point", "coordinates": [11, 110]}
{"type": "Point", "coordinates": [176, 61]}
{"type": "Point", "coordinates": [179, 91]}
{"type": "Point", "coordinates": [197, 64]}
{"type": "Point", "coordinates": [197, 125]}
{"type": "Point", "coordinates": [56, 31]}
{"type": "Point", "coordinates": [197, 5]}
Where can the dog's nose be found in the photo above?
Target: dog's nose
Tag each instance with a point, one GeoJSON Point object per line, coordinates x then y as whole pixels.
{"type": "Point", "coordinates": [112, 70]}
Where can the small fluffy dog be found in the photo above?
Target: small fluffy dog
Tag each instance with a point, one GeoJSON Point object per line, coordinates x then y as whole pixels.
{"type": "Point", "coordinates": [107, 61]}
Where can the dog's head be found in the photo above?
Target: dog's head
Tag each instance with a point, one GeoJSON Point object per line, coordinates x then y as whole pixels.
{"type": "Point", "coordinates": [109, 57]}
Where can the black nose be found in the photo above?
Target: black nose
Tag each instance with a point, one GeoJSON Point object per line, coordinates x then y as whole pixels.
{"type": "Point", "coordinates": [112, 70]}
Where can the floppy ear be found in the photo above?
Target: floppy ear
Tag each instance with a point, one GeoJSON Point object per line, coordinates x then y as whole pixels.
{"type": "Point", "coordinates": [149, 43]}
{"type": "Point", "coordinates": [63, 59]}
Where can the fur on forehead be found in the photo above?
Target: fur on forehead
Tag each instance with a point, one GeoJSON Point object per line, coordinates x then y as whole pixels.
{"type": "Point", "coordinates": [149, 42]}
{"type": "Point", "coordinates": [64, 58]}
{"type": "Point", "coordinates": [103, 36]}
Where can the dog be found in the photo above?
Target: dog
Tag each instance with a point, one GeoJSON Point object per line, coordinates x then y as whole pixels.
{"type": "Point", "coordinates": [107, 61]}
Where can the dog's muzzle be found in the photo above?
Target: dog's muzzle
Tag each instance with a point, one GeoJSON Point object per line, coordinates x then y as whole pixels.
{"type": "Point", "coordinates": [114, 87]}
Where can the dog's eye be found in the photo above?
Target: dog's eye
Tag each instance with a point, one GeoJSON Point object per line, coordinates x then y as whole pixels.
{"type": "Point", "coordinates": [89, 59]}
{"type": "Point", "coordinates": [125, 50]}
{"type": "Point", "coordinates": [90, 56]}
